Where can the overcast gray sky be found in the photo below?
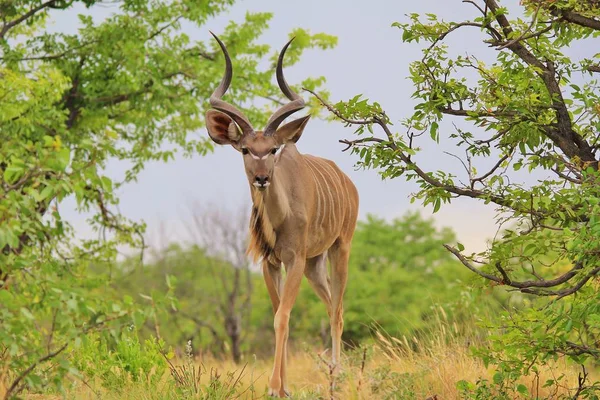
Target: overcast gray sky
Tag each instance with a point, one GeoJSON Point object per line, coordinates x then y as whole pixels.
{"type": "Point", "coordinates": [371, 59]}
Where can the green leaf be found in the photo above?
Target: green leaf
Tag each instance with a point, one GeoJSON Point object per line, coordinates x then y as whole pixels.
{"type": "Point", "coordinates": [436, 205]}
{"type": "Point", "coordinates": [27, 314]}
{"type": "Point", "coordinates": [522, 389]}
{"type": "Point", "coordinates": [47, 192]}
{"type": "Point", "coordinates": [498, 378]}
{"type": "Point", "coordinates": [434, 131]}
{"type": "Point", "coordinates": [12, 174]}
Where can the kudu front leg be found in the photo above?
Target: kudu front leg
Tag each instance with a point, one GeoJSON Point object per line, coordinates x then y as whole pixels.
{"type": "Point", "coordinates": [291, 287]}
{"type": "Point", "coordinates": [274, 283]}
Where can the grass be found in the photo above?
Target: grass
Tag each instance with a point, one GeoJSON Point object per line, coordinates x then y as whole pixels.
{"type": "Point", "coordinates": [392, 369]}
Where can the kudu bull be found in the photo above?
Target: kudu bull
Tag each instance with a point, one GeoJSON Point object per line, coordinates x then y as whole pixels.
{"type": "Point", "coordinates": [304, 211]}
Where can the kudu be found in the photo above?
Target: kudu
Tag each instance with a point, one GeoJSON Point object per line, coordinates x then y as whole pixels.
{"type": "Point", "coordinates": [304, 211]}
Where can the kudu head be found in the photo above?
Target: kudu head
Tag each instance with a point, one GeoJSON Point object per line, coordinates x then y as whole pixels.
{"type": "Point", "coordinates": [227, 125]}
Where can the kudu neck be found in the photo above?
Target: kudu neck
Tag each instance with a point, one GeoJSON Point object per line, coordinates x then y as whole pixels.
{"type": "Point", "coordinates": [274, 201]}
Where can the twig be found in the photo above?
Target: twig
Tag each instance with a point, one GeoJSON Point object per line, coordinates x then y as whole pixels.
{"type": "Point", "coordinates": [15, 384]}
{"type": "Point", "coordinates": [331, 377]}
{"type": "Point", "coordinates": [522, 36]}
{"type": "Point", "coordinates": [581, 379]}
{"type": "Point", "coordinates": [339, 114]}
{"type": "Point", "coordinates": [476, 5]}
{"type": "Point", "coordinates": [362, 371]}
{"type": "Point", "coordinates": [23, 17]}
{"type": "Point", "coordinates": [491, 171]}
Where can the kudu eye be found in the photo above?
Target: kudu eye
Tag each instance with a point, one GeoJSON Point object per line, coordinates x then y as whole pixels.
{"type": "Point", "coordinates": [244, 151]}
{"type": "Point", "coordinates": [274, 151]}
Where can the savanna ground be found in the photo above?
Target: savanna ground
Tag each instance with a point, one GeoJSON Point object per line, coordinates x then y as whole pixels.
{"type": "Point", "coordinates": [441, 367]}
{"type": "Point", "coordinates": [388, 371]}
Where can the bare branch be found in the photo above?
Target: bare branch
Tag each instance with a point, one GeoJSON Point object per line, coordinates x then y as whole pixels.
{"type": "Point", "coordinates": [352, 143]}
{"type": "Point", "coordinates": [224, 237]}
{"type": "Point", "coordinates": [56, 56]}
{"type": "Point", "coordinates": [491, 171]}
{"type": "Point", "coordinates": [476, 6]}
{"type": "Point", "coordinates": [452, 29]}
{"type": "Point", "coordinates": [526, 36]}
{"type": "Point", "coordinates": [566, 177]}
{"type": "Point", "coordinates": [165, 27]}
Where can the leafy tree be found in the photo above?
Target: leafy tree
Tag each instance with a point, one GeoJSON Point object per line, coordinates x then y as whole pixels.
{"type": "Point", "coordinates": [402, 293]}
{"type": "Point", "coordinates": [529, 125]}
{"type": "Point", "coordinates": [408, 243]}
{"type": "Point", "coordinates": [400, 277]}
{"type": "Point", "coordinates": [130, 87]}
{"type": "Point", "coordinates": [211, 280]}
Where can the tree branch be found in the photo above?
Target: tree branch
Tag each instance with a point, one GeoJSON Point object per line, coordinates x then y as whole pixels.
{"type": "Point", "coordinates": [427, 177]}
{"type": "Point", "coordinates": [594, 68]}
{"type": "Point", "coordinates": [25, 16]}
{"type": "Point", "coordinates": [12, 390]}
{"type": "Point", "coordinates": [477, 114]}
{"type": "Point", "coordinates": [529, 28]}
{"type": "Point", "coordinates": [507, 29]}
{"type": "Point", "coordinates": [491, 171]}
{"type": "Point", "coordinates": [540, 287]}
{"type": "Point", "coordinates": [579, 19]}
{"type": "Point", "coordinates": [564, 136]}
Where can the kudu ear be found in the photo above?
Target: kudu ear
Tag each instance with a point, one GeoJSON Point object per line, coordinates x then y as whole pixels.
{"type": "Point", "coordinates": [291, 131]}
{"type": "Point", "coordinates": [221, 128]}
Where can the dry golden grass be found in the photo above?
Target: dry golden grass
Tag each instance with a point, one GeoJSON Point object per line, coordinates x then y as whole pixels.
{"type": "Point", "coordinates": [389, 371]}
{"type": "Point", "coordinates": [393, 368]}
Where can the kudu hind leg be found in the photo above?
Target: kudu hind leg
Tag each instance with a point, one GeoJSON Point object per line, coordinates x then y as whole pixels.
{"type": "Point", "coordinates": [316, 274]}
{"type": "Point", "coordinates": [338, 257]}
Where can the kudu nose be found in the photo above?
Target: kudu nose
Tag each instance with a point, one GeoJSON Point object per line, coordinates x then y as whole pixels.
{"type": "Point", "coordinates": [261, 179]}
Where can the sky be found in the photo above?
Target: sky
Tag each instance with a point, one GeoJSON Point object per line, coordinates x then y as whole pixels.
{"type": "Point", "coordinates": [370, 59]}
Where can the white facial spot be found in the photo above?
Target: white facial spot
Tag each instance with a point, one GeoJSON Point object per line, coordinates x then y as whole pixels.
{"type": "Point", "coordinates": [260, 158]}
{"type": "Point", "coordinates": [258, 185]}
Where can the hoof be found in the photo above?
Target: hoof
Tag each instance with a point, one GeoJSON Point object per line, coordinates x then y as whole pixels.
{"type": "Point", "coordinates": [279, 393]}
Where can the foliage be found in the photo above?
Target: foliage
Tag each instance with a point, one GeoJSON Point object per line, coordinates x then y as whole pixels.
{"type": "Point", "coordinates": [393, 264]}
{"type": "Point", "coordinates": [528, 124]}
{"type": "Point", "coordinates": [125, 361]}
{"type": "Point", "coordinates": [196, 315]}
{"type": "Point", "coordinates": [407, 243]}
{"type": "Point", "coordinates": [129, 87]}
{"type": "Point", "coordinates": [413, 269]}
